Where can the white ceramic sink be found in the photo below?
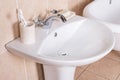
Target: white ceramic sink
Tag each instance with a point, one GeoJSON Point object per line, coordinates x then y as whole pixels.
{"type": "Point", "coordinates": [108, 13]}
{"type": "Point", "coordinates": [78, 42]}
{"type": "Point", "coordinates": [104, 10]}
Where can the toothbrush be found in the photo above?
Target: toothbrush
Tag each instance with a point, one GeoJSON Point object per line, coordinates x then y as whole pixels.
{"type": "Point", "coordinates": [21, 17]}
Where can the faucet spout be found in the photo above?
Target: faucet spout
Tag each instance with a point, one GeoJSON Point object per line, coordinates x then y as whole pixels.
{"type": "Point", "coordinates": [48, 22]}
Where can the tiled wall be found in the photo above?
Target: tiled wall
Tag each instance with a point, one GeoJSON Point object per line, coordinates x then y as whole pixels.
{"type": "Point", "coordinates": [13, 67]}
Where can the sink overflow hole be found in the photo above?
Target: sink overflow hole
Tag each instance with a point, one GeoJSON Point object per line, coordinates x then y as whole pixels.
{"type": "Point", "coordinates": [61, 53]}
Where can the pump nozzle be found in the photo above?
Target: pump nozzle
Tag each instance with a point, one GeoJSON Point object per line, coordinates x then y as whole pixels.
{"type": "Point", "coordinates": [21, 17]}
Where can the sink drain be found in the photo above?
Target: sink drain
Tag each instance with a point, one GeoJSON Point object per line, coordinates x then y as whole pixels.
{"type": "Point", "coordinates": [62, 53]}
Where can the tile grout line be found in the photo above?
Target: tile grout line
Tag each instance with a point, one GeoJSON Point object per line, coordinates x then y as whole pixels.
{"type": "Point", "coordinates": [112, 59]}
{"type": "Point", "coordinates": [117, 77]}
{"type": "Point", "coordinates": [98, 74]}
{"type": "Point", "coordinates": [91, 72]}
{"type": "Point", "coordinates": [26, 73]}
{"type": "Point", "coordinates": [47, 4]}
{"type": "Point", "coordinates": [103, 76]}
{"type": "Point", "coordinates": [3, 52]}
{"type": "Point", "coordinates": [82, 72]}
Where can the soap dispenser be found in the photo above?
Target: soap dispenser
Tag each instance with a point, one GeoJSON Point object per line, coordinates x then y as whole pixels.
{"type": "Point", "coordinates": [27, 29]}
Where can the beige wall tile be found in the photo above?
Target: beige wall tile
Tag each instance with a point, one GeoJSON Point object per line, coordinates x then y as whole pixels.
{"type": "Point", "coordinates": [11, 67]}
{"type": "Point", "coordinates": [90, 76]}
{"type": "Point", "coordinates": [31, 69]}
{"type": "Point", "coordinates": [57, 4]}
{"type": "Point", "coordinates": [106, 68]}
{"type": "Point", "coordinates": [37, 7]}
{"type": "Point", "coordinates": [74, 7]}
{"type": "Point", "coordinates": [7, 20]}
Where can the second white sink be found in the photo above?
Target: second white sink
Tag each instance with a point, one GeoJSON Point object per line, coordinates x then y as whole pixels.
{"type": "Point", "coordinates": [108, 13]}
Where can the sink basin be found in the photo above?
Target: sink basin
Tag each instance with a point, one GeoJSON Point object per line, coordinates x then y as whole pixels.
{"type": "Point", "coordinates": [108, 13]}
{"type": "Point", "coordinates": [77, 45]}
{"type": "Point", "coordinates": [78, 42]}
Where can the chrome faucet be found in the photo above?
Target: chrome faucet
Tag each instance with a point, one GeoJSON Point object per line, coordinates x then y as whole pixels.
{"type": "Point", "coordinates": [48, 22]}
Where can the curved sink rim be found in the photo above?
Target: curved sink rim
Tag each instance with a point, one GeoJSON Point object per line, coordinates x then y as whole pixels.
{"type": "Point", "coordinates": [51, 60]}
